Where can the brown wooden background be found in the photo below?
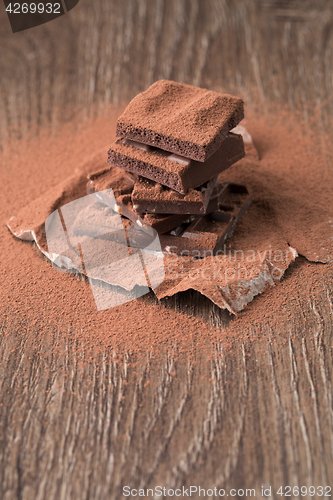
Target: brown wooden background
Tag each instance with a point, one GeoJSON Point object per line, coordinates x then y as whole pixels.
{"type": "Point", "coordinates": [267, 418]}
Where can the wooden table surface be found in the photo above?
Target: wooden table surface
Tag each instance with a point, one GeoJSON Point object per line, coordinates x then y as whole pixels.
{"type": "Point", "coordinates": [267, 418]}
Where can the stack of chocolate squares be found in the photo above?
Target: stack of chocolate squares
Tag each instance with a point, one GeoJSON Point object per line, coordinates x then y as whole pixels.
{"type": "Point", "coordinates": [174, 141]}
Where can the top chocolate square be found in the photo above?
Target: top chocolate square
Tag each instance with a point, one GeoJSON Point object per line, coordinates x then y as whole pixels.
{"type": "Point", "coordinates": [180, 118]}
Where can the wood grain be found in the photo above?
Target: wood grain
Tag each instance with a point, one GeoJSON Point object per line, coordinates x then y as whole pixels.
{"type": "Point", "coordinates": [107, 52]}
{"type": "Point", "coordinates": [259, 414]}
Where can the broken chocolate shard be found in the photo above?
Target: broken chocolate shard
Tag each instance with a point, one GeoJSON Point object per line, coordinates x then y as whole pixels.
{"type": "Point", "coordinates": [149, 223]}
{"type": "Point", "coordinates": [180, 118]}
{"type": "Point", "coordinates": [122, 184]}
{"type": "Point", "coordinates": [151, 197]}
{"type": "Point", "coordinates": [120, 181]}
{"type": "Point", "coordinates": [155, 163]}
{"type": "Point", "coordinates": [162, 223]}
{"type": "Point", "coordinates": [122, 203]}
{"type": "Point", "coordinates": [206, 235]}
{"type": "Point", "coordinates": [221, 196]}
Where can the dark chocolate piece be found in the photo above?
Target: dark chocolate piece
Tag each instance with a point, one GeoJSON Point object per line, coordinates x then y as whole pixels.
{"type": "Point", "coordinates": [180, 174]}
{"type": "Point", "coordinates": [151, 197]}
{"type": "Point", "coordinates": [206, 235]}
{"type": "Point", "coordinates": [181, 118]}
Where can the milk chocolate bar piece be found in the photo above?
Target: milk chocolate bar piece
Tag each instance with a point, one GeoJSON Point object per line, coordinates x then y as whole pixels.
{"type": "Point", "coordinates": [178, 173]}
{"type": "Point", "coordinates": [180, 118]}
{"type": "Point", "coordinates": [148, 222]}
{"type": "Point", "coordinates": [151, 197]}
{"type": "Point", "coordinates": [122, 183]}
{"type": "Point", "coordinates": [206, 235]}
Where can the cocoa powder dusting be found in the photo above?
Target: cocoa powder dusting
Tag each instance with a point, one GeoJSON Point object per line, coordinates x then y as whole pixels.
{"type": "Point", "coordinates": [181, 118]}
{"type": "Point", "coordinates": [292, 188]}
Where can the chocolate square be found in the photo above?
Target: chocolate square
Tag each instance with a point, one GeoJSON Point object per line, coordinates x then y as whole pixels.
{"type": "Point", "coordinates": [151, 197]}
{"type": "Point", "coordinates": [180, 118]}
{"type": "Point", "coordinates": [178, 173]}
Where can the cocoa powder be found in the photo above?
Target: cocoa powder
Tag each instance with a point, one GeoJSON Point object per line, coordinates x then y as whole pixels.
{"type": "Point", "coordinates": [292, 189]}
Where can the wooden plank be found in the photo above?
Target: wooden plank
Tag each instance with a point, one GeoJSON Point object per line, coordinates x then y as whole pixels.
{"type": "Point", "coordinates": [256, 412]}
